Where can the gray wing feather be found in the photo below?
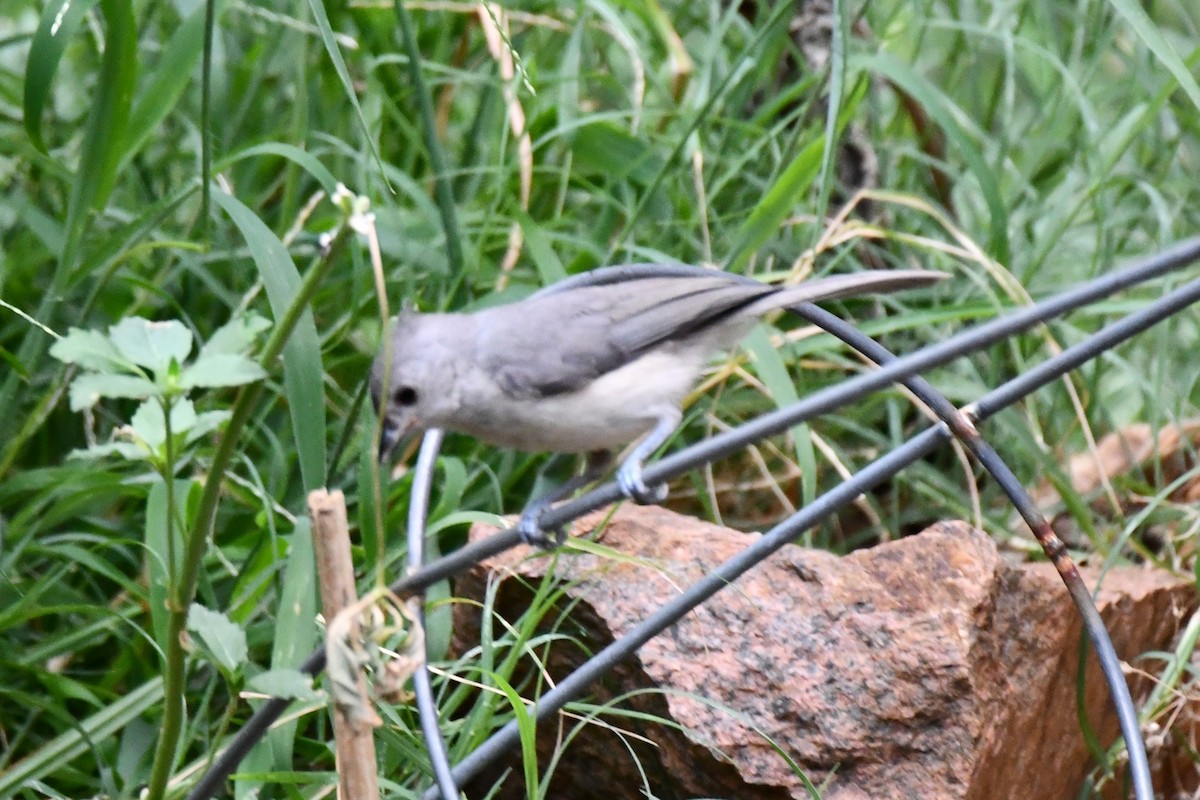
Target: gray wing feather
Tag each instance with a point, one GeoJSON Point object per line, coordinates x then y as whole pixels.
{"type": "Point", "coordinates": [564, 337]}
{"type": "Point", "coordinates": [666, 309]}
{"type": "Point", "coordinates": [561, 341]}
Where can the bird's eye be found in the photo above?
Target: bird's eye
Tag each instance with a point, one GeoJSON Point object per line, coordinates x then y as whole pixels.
{"type": "Point", "coordinates": [405, 396]}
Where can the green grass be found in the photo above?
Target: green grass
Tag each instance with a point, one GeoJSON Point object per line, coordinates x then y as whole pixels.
{"type": "Point", "coordinates": [1025, 144]}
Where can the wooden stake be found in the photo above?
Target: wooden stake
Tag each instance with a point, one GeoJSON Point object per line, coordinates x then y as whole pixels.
{"type": "Point", "coordinates": [358, 778]}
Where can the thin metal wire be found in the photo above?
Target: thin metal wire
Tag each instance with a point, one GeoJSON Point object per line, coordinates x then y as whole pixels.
{"type": "Point", "coordinates": [963, 427]}
{"type": "Point", "coordinates": [427, 710]}
{"type": "Point", "coordinates": [979, 337]}
{"type": "Point", "coordinates": [825, 400]}
{"type": "Point", "coordinates": [792, 528]}
{"type": "Point", "coordinates": [573, 686]}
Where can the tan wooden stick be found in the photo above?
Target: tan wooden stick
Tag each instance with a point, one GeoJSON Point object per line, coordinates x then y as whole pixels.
{"type": "Point", "coordinates": [358, 778]}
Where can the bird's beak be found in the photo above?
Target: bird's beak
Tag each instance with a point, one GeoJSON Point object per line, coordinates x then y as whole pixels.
{"type": "Point", "coordinates": [391, 438]}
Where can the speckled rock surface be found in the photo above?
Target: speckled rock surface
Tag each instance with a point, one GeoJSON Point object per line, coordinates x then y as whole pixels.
{"type": "Point", "coordinates": [923, 668]}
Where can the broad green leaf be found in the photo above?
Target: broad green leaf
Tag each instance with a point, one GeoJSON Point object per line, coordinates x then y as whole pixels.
{"type": "Point", "coordinates": [60, 20]}
{"type": "Point", "coordinates": [570, 59]}
{"type": "Point", "coordinates": [66, 688]}
{"type": "Point", "coordinates": [127, 450]}
{"type": "Point", "coordinates": [791, 188]}
{"type": "Point", "coordinates": [290, 684]}
{"type": "Point", "coordinates": [222, 639]}
{"type": "Point", "coordinates": [235, 336]}
{"type": "Point", "coordinates": [526, 727]}
{"type": "Point", "coordinates": [86, 390]}
{"type": "Point", "coordinates": [303, 375]}
{"type": "Point", "coordinates": [221, 369]}
{"type": "Point", "coordinates": [90, 350]}
{"type": "Point", "coordinates": [771, 370]}
{"type": "Point", "coordinates": [206, 423]}
{"type": "Point", "coordinates": [149, 423]}
{"type": "Point", "coordinates": [58, 753]}
{"type": "Point", "coordinates": [451, 487]}
{"type": "Point", "coordinates": [152, 344]}
{"type": "Point", "coordinates": [339, 66]}
{"type": "Point", "coordinates": [18, 369]}
{"type": "Point", "coordinates": [605, 148]}
{"type": "Point", "coordinates": [136, 748]}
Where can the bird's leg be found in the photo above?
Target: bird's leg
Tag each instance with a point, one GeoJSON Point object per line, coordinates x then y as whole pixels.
{"type": "Point", "coordinates": [629, 476]}
{"type": "Point", "coordinates": [595, 465]}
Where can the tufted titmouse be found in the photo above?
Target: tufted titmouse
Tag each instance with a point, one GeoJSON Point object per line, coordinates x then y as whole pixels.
{"type": "Point", "coordinates": [587, 365]}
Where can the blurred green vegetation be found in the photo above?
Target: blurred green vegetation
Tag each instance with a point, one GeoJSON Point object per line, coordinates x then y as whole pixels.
{"type": "Point", "coordinates": [1022, 147]}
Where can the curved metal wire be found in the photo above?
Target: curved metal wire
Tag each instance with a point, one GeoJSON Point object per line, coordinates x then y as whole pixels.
{"type": "Point", "coordinates": [790, 529]}
{"type": "Point", "coordinates": [978, 337]}
{"type": "Point", "coordinates": [427, 710]}
{"type": "Point", "coordinates": [963, 428]}
{"type": "Point", "coordinates": [825, 400]}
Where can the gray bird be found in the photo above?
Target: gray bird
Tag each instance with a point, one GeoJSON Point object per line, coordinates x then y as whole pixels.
{"type": "Point", "coordinates": [587, 365]}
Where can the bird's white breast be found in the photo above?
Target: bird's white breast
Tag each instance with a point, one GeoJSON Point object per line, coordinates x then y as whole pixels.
{"type": "Point", "coordinates": [612, 411]}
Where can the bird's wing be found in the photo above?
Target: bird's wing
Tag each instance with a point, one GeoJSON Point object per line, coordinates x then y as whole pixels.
{"type": "Point", "coordinates": [560, 341]}
{"type": "Point", "coordinates": [562, 338]}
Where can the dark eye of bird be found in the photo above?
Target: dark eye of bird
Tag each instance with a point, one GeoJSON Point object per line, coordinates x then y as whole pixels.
{"type": "Point", "coordinates": [405, 396]}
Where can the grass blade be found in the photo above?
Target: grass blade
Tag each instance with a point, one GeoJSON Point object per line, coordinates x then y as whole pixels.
{"type": "Point", "coordinates": [1135, 14]}
{"type": "Point", "coordinates": [59, 23]}
{"type": "Point", "coordinates": [939, 109]}
{"type": "Point", "coordinates": [105, 138]}
{"type": "Point", "coordinates": [303, 375]}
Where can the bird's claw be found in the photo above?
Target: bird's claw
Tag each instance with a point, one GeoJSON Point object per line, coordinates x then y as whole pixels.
{"type": "Point", "coordinates": [629, 478]}
{"type": "Point", "coordinates": [530, 529]}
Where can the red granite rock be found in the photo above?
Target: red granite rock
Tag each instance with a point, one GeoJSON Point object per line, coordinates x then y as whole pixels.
{"type": "Point", "coordinates": [923, 668]}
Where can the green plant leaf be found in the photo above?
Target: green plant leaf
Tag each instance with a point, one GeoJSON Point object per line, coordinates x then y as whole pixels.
{"type": "Point", "coordinates": [303, 375]}
{"type": "Point", "coordinates": [127, 450]}
{"type": "Point", "coordinates": [235, 336]}
{"type": "Point", "coordinates": [90, 350]}
{"type": "Point", "coordinates": [104, 139]}
{"type": "Point", "coordinates": [152, 344]}
{"type": "Point", "coordinates": [149, 423]}
{"type": "Point", "coordinates": [339, 66]}
{"type": "Point", "coordinates": [941, 110]}
{"type": "Point", "coordinates": [15, 363]}
{"type": "Point", "coordinates": [86, 390]}
{"type": "Point", "coordinates": [770, 368]}
{"type": "Point", "coordinates": [1135, 14]}
{"type": "Point", "coordinates": [779, 201]}
{"type": "Point", "coordinates": [221, 369]}
{"type": "Point", "coordinates": [295, 633]}
{"type": "Point", "coordinates": [219, 637]}
{"type": "Point", "coordinates": [158, 549]}
{"type": "Point", "coordinates": [206, 423]}
{"type": "Point", "coordinates": [605, 148]}
{"type": "Point", "coordinates": [171, 74]}
{"type": "Point", "coordinates": [549, 266]}
{"type": "Point", "coordinates": [59, 22]}
{"type": "Point", "coordinates": [302, 158]}
{"type": "Point", "coordinates": [290, 684]}
{"type": "Point", "coordinates": [57, 753]}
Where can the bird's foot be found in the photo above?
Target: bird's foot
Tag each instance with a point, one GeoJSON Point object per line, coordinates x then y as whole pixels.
{"type": "Point", "coordinates": [532, 533]}
{"type": "Point", "coordinates": [629, 478]}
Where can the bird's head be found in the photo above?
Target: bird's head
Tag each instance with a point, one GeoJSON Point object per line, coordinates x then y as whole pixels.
{"type": "Point", "coordinates": [403, 382]}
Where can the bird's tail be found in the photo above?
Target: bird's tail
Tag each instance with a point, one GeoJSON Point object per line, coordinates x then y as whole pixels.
{"type": "Point", "coordinates": [851, 285]}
